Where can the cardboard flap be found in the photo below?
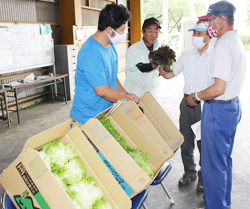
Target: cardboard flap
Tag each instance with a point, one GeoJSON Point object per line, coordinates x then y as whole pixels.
{"type": "Point", "coordinates": [126, 107]}
{"type": "Point", "coordinates": [47, 136]}
{"type": "Point", "coordinates": [161, 121]}
{"type": "Point", "coordinates": [137, 116]}
{"type": "Point", "coordinates": [111, 149]}
{"type": "Point", "coordinates": [115, 106]}
{"type": "Point", "coordinates": [119, 200]}
{"type": "Point", "coordinates": [122, 133]}
{"type": "Point", "coordinates": [139, 138]}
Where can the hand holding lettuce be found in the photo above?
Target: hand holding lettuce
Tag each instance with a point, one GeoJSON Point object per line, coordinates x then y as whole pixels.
{"type": "Point", "coordinates": [70, 172]}
{"type": "Point", "coordinates": [164, 56]}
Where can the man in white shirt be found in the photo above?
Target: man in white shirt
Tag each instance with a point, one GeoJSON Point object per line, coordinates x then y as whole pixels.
{"type": "Point", "coordinates": [141, 74]}
{"type": "Point", "coordinates": [194, 64]}
{"type": "Point", "coordinates": [221, 111]}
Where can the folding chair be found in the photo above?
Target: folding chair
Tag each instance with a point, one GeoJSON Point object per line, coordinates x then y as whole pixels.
{"type": "Point", "coordinates": [139, 199]}
{"type": "Point", "coordinates": [158, 180]}
{"type": "Point", "coordinates": [6, 202]}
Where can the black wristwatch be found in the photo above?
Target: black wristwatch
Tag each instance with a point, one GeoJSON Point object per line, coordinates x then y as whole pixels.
{"type": "Point", "coordinates": [195, 98]}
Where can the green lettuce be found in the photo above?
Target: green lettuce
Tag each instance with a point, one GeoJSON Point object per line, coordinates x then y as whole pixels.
{"type": "Point", "coordinates": [101, 204]}
{"type": "Point", "coordinates": [136, 154]}
{"type": "Point", "coordinates": [70, 172]}
{"type": "Point", "coordinates": [59, 154]}
{"type": "Point", "coordinates": [45, 158]}
{"type": "Point", "coordinates": [73, 171]}
{"type": "Point", "coordinates": [86, 194]}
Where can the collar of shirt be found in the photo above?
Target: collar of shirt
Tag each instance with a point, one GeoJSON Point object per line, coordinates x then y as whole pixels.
{"type": "Point", "coordinates": [205, 54]}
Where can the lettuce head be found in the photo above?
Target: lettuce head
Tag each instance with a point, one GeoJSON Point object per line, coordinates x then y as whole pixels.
{"type": "Point", "coordinates": [86, 193]}
{"type": "Point", "coordinates": [73, 171]}
{"type": "Point", "coordinates": [101, 204]}
{"type": "Point", "coordinates": [59, 153]}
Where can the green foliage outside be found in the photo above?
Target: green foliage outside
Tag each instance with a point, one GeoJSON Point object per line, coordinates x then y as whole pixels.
{"type": "Point", "coordinates": [247, 47]}
{"type": "Point", "coordinates": [176, 10]}
{"type": "Point", "coordinates": [245, 37]}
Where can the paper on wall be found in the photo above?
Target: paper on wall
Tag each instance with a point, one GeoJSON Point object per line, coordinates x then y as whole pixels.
{"type": "Point", "coordinates": [80, 35]}
{"type": "Point", "coordinates": [45, 29]}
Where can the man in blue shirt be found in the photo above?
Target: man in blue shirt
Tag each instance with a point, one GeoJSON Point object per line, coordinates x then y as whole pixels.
{"type": "Point", "coordinates": [96, 84]}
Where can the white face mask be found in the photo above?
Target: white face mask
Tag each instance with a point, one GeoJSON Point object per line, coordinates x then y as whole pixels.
{"type": "Point", "coordinates": [198, 42]}
{"type": "Point", "coordinates": [118, 38]}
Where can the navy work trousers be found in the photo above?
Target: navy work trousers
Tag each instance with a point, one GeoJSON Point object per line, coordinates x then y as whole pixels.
{"type": "Point", "coordinates": [218, 127]}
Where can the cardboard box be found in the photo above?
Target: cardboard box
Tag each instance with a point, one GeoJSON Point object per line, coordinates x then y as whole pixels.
{"type": "Point", "coordinates": [29, 172]}
{"type": "Point", "coordinates": [135, 114]}
{"type": "Point", "coordinates": [133, 178]}
{"type": "Point", "coordinates": [160, 120]}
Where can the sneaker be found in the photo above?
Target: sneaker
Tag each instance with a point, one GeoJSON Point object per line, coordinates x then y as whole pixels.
{"type": "Point", "coordinates": [186, 179]}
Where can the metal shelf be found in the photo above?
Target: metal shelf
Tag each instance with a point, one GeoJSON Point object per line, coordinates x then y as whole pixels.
{"type": "Point", "coordinates": [50, 1]}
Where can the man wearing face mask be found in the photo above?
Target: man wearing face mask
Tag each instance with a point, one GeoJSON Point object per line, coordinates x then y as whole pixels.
{"type": "Point", "coordinates": [96, 84]}
{"type": "Point", "coordinates": [194, 64]}
{"type": "Point", "coordinates": [141, 74]}
{"type": "Point", "coordinates": [221, 111]}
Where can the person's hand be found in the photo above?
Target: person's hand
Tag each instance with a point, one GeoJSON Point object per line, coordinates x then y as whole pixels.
{"type": "Point", "coordinates": [190, 101]}
{"type": "Point", "coordinates": [135, 98]}
{"type": "Point", "coordinates": [162, 72]}
{"type": "Point", "coordinates": [153, 65]}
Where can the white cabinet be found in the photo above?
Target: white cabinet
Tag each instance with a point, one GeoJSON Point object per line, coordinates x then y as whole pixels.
{"type": "Point", "coordinates": [65, 61]}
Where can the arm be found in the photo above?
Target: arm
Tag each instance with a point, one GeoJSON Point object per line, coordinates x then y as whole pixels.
{"type": "Point", "coordinates": [217, 89]}
{"type": "Point", "coordinates": [145, 67]}
{"type": "Point", "coordinates": [121, 89]}
{"type": "Point", "coordinates": [137, 59]}
{"type": "Point", "coordinates": [110, 94]}
{"type": "Point", "coordinates": [164, 74]}
{"type": "Point", "coordinates": [113, 95]}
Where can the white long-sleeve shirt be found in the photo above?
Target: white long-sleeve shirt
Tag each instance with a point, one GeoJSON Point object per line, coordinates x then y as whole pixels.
{"type": "Point", "coordinates": [137, 82]}
{"type": "Point", "coordinates": [195, 69]}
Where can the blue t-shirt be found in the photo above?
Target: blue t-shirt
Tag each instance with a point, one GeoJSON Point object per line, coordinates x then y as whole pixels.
{"type": "Point", "coordinates": [96, 66]}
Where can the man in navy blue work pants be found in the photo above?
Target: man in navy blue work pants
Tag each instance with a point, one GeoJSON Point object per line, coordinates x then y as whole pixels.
{"type": "Point", "coordinates": [221, 110]}
{"type": "Point", "coordinates": [218, 125]}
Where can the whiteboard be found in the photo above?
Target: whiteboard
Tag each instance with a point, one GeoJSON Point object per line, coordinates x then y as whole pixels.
{"type": "Point", "coordinates": [22, 47]}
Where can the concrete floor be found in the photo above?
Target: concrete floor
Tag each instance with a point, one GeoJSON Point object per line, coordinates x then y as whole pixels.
{"type": "Point", "coordinates": [47, 115]}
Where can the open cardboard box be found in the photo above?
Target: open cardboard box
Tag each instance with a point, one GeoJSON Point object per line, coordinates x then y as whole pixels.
{"type": "Point", "coordinates": [153, 131]}
{"type": "Point", "coordinates": [129, 175]}
{"type": "Point", "coordinates": [160, 120]}
{"type": "Point", "coordinates": [29, 172]}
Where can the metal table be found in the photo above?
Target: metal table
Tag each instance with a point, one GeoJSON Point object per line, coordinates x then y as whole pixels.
{"type": "Point", "coordinates": [3, 97]}
{"type": "Point", "coordinates": [51, 81]}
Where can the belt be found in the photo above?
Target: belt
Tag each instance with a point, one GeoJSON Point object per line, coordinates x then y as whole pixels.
{"type": "Point", "coordinates": [222, 101]}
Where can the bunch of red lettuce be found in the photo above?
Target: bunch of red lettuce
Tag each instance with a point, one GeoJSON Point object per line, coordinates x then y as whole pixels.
{"type": "Point", "coordinates": [164, 56]}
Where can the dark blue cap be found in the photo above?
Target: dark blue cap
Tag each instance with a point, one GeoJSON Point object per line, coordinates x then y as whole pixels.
{"type": "Point", "coordinates": [218, 9]}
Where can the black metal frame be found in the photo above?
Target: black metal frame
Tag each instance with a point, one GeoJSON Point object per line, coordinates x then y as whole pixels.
{"type": "Point", "coordinates": [51, 82]}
